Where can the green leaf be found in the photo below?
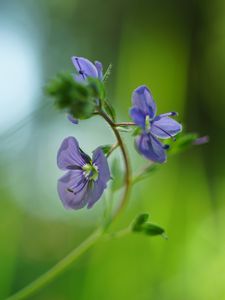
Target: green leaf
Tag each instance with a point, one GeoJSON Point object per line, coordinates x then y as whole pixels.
{"type": "Point", "coordinates": [124, 128]}
{"type": "Point", "coordinates": [106, 148]}
{"type": "Point", "coordinates": [75, 97]}
{"type": "Point", "coordinates": [117, 175]}
{"type": "Point", "coordinates": [141, 225]}
{"type": "Point", "coordinates": [107, 73]}
{"type": "Point", "coordinates": [183, 142]}
{"type": "Point", "coordinates": [109, 110]}
{"type": "Point", "coordinates": [139, 221]}
{"type": "Point", "coordinates": [152, 229]}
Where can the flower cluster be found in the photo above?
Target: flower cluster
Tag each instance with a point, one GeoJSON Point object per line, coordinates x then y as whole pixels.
{"type": "Point", "coordinates": [86, 178]}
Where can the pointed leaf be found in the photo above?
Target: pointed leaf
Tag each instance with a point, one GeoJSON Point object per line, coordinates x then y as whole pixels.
{"type": "Point", "coordinates": [139, 221]}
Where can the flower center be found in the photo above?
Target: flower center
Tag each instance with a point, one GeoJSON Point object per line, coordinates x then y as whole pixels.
{"type": "Point", "coordinates": [90, 171]}
{"type": "Point", "coordinates": [147, 123]}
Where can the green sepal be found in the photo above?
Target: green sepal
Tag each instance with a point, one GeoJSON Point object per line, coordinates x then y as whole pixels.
{"type": "Point", "coordinates": [97, 88]}
{"type": "Point", "coordinates": [137, 131]}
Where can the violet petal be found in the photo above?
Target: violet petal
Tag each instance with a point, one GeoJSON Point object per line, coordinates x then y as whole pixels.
{"type": "Point", "coordinates": [138, 117]}
{"type": "Point", "coordinates": [69, 154]}
{"type": "Point", "coordinates": [165, 127]}
{"type": "Point", "coordinates": [150, 148]}
{"type": "Point", "coordinates": [143, 100]}
{"type": "Point", "coordinates": [84, 67]}
{"type": "Point", "coordinates": [72, 189]}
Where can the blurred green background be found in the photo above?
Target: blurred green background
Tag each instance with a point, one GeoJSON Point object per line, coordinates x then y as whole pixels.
{"type": "Point", "coordinates": [175, 47]}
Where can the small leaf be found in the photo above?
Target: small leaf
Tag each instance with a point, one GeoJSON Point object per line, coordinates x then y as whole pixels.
{"type": "Point", "coordinates": [183, 142]}
{"type": "Point", "coordinates": [117, 175]}
{"type": "Point", "coordinates": [152, 229]}
{"type": "Point", "coordinates": [106, 148]}
{"type": "Point", "coordinates": [139, 221]}
{"type": "Point", "coordinates": [141, 224]}
{"type": "Point", "coordinates": [107, 73]}
{"type": "Point", "coordinates": [109, 110]}
{"type": "Point", "coordinates": [124, 128]}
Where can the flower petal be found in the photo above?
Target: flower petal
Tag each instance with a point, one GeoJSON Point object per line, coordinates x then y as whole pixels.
{"type": "Point", "coordinates": [70, 155]}
{"type": "Point", "coordinates": [151, 148]}
{"type": "Point", "coordinates": [99, 68]}
{"type": "Point", "coordinates": [138, 116]}
{"type": "Point", "coordinates": [72, 119]}
{"type": "Point", "coordinates": [95, 193]}
{"type": "Point", "coordinates": [85, 68]}
{"type": "Point", "coordinates": [142, 99]}
{"type": "Point", "coordinates": [101, 162]}
{"type": "Point", "coordinates": [100, 184]}
{"type": "Point", "coordinates": [165, 127]}
{"type": "Point", "coordinates": [73, 189]}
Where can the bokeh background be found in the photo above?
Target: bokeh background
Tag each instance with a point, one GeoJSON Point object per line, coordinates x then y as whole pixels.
{"type": "Point", "coordinates": [175, 47]}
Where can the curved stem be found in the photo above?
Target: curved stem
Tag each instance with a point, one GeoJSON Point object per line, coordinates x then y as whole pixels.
{"type": "Point", "coordinates": [62, 265]}
{"type": "Point", "coordinates": [128, 176]}
{"type": "Point", "coordinates": [58, 268]}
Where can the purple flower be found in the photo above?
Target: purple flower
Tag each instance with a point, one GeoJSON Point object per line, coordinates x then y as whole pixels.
{"type": "Point", "coordinates": [85, 68]}
{"type": "Point", "coordinates": [86, 178]}
{"type": "Point", "coordinates": [153, 127]}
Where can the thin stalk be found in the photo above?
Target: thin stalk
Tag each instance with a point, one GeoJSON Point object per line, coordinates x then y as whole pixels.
{"type": "Point", "coordinates": [124, 124]}
{"type": "Point", "coordinates": [114, 147]}
{"type": "Point", "coordinates": [58, 269]}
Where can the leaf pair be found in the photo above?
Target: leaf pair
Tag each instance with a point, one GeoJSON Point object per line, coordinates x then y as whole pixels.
{"type": "Point", "coordinates": [142, 225]}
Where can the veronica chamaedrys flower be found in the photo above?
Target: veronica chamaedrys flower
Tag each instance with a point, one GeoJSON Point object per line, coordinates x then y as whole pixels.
{"type": "Point", "coordinates": [85, 68]}
{"type": "Point", "coordinates": [86, 178]}
{"type": "Point", "coordinates": [152, 127]}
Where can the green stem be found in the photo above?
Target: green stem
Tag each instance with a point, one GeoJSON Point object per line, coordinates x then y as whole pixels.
{"type": "Point", "coordinates": [125, 124]}
{"type": "Point", "coordinates": [59, 268]}
{"type": "Point", "coordinates": [62, 265]}
{"type": "Point", "coordinates": [114, 147]}
{"type": "Point", "coordinates": [128, 176]}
